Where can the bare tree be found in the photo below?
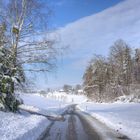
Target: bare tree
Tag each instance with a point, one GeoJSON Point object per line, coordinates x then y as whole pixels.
{"type": "Point", "coordinates": [136, 66]}
{"type": "Point", "coordinates": [95, 77]}
{"type": "Point", "coordinates": [120, 57]}
{"type": "Point", "coordinates": [26, 22]}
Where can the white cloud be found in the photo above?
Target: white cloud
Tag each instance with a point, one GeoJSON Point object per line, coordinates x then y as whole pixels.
{"type": "Point", "coordinates": [96, 33]}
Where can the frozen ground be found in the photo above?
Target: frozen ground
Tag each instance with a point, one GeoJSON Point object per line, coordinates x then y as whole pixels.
{"type": "Point", "coordinates": [124, 118]}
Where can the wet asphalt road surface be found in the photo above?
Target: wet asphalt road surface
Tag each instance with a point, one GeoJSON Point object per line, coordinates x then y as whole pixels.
{"type": "Point", "coordinates": [70, 129]}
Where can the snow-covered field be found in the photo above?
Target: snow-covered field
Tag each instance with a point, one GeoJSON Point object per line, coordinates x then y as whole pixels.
{"type": "Point", "coordinates": [55, 102]}
{"type": "Point", "coordinates": [67, 98]}
{"type": "Point", "coordinates": [124, 118]}
{"type": "Point", "coordinates": [42, 103]}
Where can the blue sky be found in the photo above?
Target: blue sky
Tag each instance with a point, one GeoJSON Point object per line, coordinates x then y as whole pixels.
{"type": "Point", "coordinates": [67, 11]}
{"type": "Point", "coordinates": [90, 27]}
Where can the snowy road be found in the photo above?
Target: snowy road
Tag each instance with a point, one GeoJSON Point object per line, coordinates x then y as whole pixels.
{"type": "Point", "coordinates": [78, 123]}
{"type": "Point", "coordinates": [70, 129]}
{"type": "Point", "coordinates": [84, 121]}
{"type": "Point", "coordinates": [76, 127]}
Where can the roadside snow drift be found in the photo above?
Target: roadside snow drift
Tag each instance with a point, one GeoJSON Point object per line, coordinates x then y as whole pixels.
{"type": "Point", "coordinates": [124, 118]}
{"type": "Point", "coordinates": [21, 126]}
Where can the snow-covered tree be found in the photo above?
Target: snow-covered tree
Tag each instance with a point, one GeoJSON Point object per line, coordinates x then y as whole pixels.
{"type": "Point", "coordinates": [136, 68]}
{"type": "Point", "coordinates": [27, 37]}
{"type": "Point", "coordinates": [7, 98]}
{"type": "Point", "coordinates": [120, 58]}
{"type": "Point", "coordinates": [96, 76]}
{"type": "Point", "coordinates": [108, 77]}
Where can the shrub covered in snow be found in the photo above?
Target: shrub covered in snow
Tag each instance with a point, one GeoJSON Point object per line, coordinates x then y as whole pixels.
{"type": "Point", "coordinates": [8, 100]}
{"type": "Point", "coordinates": [129, 98]}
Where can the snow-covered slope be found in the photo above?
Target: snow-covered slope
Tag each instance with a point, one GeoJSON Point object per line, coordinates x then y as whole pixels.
{"type": "Point", "coordinates": [135, 98]}
{"type": "Point", "coordinates": [123, 118]}
{"type": "Point", "coordinates": [52, 101]}
{"type": "Point", "coordinates": [66, 98]}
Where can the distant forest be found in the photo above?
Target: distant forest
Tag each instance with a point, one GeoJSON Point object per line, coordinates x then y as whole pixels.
{"type": "Point", "coordinates": [118, 74]}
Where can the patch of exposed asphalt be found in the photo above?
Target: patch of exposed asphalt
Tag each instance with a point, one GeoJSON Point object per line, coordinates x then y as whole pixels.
{"type": "Point", "coordinates": [91, 133]}
{"type": "Point", "coordinates": [71, 132]}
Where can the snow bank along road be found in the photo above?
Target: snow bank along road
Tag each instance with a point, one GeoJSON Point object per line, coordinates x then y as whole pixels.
{"type": "Point", "coordinates": [15, 126]}
{"type": "Point", "coordinates": [80, 126]}
{"type": "Point", "coordinates": [122, 117]}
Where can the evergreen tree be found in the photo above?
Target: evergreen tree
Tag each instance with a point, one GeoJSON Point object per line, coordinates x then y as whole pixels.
{"type": "Point", "coordinates": [7, 97]}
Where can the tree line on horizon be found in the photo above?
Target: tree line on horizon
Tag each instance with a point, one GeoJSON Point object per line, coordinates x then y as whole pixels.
{"type": "Point", "coordinates": [118, 74]}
